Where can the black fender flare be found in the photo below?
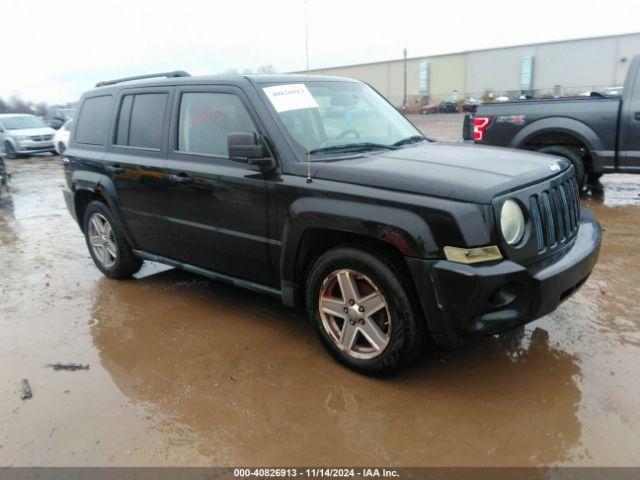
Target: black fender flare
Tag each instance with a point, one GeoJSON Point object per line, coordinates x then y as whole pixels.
{"type": "Point", "coordinates": [575, 128]}
{"type": "Point", "coordinates": [404, 230]}
{"type": "Point", "coordinates": [103, 186]}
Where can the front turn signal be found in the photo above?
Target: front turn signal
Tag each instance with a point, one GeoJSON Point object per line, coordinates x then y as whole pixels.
{"type": "Point", "coordinates": [473, 255]}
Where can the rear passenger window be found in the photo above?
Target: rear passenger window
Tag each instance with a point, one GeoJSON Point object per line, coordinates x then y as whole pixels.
{"type": "Point", "coordinates": [140, 120]}
{"type": "Point", "coordinates": [207, 118]}
{"type": "Point", "coordinates": [93, 120]}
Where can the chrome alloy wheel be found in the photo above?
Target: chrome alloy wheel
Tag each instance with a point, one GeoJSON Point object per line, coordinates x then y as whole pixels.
{"type": "Point", "coordinates": [355, 314]}
{"type": "Point", "coordinates": [102, 240]}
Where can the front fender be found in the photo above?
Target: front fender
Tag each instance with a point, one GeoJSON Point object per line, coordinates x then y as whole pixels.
{"type": "Point", "coordinates": [404, 230]}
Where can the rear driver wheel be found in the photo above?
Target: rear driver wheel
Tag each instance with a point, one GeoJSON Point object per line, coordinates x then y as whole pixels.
{"type": "Point", "coordinates": [107, 245]}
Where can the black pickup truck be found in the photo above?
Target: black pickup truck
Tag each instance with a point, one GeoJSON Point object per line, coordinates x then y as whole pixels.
{"type": "Point", "coordinates": [599, 134]}
{"type": "Point", "coordinates": [317, 191]}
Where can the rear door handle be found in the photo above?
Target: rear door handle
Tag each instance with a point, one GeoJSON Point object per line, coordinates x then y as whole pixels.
{"type": "Point", "coordinates": [115, 168]}
{"type": "Point", "coordinates": [636, 115]}
{"type": "Point", "coordinates": [181, 178]}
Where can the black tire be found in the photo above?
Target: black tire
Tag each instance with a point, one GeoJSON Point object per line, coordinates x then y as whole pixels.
{"type": "Point", "coordinates": [573, 157]}
{"type": "Point", "coordinates": [10, 151]}
{"type": "Point", "coordinates": [408, 328]}
{"type": "Point", "coordinates": [61, 149]}
{"type": "Point", "coordinates": [126, 262]}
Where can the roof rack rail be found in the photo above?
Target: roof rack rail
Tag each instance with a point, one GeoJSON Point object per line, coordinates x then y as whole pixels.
{"type": "Point", "coordinates": [175, 73]}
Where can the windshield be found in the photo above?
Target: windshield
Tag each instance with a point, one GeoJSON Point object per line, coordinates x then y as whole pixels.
{"type": "Point", "coordinates": [22, 121]}
{"type": "Point", "coordinates": [329, 117]}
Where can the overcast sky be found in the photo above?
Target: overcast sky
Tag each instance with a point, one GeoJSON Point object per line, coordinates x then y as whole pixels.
{"type": "Point", "coordinates": [54, 50]}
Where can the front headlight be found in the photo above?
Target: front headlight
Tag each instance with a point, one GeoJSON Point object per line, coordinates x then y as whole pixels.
{"type": "Point", "coordinates": [512, 222]}
{"type": "Point", "coordinates": [21, 138]}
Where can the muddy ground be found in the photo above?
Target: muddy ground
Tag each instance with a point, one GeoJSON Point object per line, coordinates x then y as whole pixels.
{"type": "Point", "coordinates": [188, 371]}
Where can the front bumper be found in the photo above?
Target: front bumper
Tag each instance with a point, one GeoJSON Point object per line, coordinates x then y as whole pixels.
{"type": "Point", "coordinates": [462, 301]}
{"type": "Point", "coordinates": [27, 147]}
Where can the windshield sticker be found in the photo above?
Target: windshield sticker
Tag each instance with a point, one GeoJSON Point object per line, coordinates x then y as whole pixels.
{"type": "Point", "coordinates": [290, 97]}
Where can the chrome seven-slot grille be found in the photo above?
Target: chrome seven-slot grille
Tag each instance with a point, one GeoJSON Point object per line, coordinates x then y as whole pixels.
{"type": "Point", "coordinates": [556, 214]}
{"type": "Point", "coordinates": [39, 138]}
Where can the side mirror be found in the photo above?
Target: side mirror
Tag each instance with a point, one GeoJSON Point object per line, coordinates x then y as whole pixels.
{"type": "Point", "coordinates": [247, 147]}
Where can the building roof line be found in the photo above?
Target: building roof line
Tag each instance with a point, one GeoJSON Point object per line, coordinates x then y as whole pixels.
{"type": "Point", "coordinates": [463, 52]}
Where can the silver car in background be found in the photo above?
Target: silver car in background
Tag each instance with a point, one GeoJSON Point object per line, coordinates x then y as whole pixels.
{"type": "Point", "coordinates": [24, 134]}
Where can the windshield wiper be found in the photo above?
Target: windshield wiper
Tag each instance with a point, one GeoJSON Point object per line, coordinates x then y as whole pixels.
{"type": "Point", "coordinates": [351, 147]}
{"type": "Point", "coordinates": [411, 139]}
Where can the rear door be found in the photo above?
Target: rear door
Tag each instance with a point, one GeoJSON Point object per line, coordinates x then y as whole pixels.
{"type": "Point", "coordinates": [136, 161]}
{"type": "Point", "coordinates": [218, 208]}
{"type": "Point", "coordinates": [629, 147]}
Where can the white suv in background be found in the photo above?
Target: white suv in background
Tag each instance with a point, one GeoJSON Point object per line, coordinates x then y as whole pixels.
{"type": "Point", "coordinates": [61, 138]}
{"type": "Point", "coordinates": [24, 134]}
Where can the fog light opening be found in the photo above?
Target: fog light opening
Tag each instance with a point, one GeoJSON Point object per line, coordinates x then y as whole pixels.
{"type": "Point", "coordinates": [505, 295]}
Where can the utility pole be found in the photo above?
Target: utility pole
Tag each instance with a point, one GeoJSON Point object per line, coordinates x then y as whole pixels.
{"type": "Point", "coordinates": [404, 56]}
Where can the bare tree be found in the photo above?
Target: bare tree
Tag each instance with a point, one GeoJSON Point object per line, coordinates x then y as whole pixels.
{"type": "Point", "coordinates": [40, 109]}
{"type": "Point", "coordinates": [18, 105]}
{"type": "Point", "coordinates": [262, 69]}
{"type": "Point", "coordinates": [266, 69]}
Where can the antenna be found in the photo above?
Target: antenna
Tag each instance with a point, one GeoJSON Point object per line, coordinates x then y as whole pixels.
{"type": "Point", "coordinates": [306, 52]}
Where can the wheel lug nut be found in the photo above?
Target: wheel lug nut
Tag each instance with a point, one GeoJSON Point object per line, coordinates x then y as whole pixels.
{"type": "Point", "coordinates": [361, 309]}
{"type": "Point", "coordinates": [351, 302]}
{"type": "Point", "coordinates": [353, 322]}
{"type": "Point", "coordinates": [346, 310]}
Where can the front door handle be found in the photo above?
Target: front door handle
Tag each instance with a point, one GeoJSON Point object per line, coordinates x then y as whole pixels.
{"type": "Point", "coordinates": [636, 115]}
{"type": "Point", "coordinates": [114, 168]}
{"type": "Point", "coordinates": [181, 178]}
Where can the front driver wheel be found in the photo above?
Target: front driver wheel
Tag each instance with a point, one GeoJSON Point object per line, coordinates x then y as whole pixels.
{"type": "Point", "coordinates": [363, 312]}
{"type": "Point", "coordinates": [107, 245]}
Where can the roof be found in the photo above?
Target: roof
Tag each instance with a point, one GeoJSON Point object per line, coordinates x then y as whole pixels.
{"type": "Point", "coordinates": [223, 80]}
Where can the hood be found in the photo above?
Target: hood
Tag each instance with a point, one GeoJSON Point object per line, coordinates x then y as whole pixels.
{"type": "Point", "coordinates": [29, 132]}
{"type": "Point", "coordinates": [465, 172]}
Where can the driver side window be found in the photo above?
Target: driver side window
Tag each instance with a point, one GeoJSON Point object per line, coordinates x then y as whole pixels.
{"type": "Point", "coordinates": [207, 118]}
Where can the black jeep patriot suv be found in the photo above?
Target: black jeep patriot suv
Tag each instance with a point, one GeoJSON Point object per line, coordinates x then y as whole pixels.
{"type": "Point", "coordinates": [316, 190]}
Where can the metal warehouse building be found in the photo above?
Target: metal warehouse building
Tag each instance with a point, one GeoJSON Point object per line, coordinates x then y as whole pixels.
{"type": "Point", "coordinates": [553, 68]}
